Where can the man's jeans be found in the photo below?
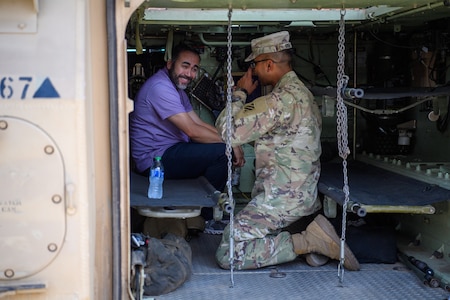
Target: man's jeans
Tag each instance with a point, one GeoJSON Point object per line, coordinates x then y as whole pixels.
{"type": "Point", "coordinates": [191, 160]}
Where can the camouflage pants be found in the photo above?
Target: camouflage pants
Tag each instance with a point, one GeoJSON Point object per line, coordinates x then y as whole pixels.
{"type": "Point", "coordinates": [258, 237]}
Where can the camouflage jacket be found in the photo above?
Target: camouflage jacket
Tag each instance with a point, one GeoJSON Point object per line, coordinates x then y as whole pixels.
{"type": "Point", "coordinates": [285, 126]}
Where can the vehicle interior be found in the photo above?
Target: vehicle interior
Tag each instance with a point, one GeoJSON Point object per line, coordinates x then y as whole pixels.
{"type": "Point", "coordinates": [388, 63]}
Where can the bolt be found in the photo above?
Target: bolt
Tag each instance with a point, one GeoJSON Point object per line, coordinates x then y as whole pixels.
{"type": "Point", "coordinates": [9, 273]}
{"type": "Point", "coordinates": [52, 247]}
{"type": "Point", "coordinates": [49, 149]}
{"type": "Point", "coordinates": [56, 199]}
{"type": "Point", "coordinates": [3, 124]}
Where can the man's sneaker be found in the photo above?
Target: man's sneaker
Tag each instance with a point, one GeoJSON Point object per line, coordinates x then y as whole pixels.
{"type": "Point", "coordinates": [215, 227]}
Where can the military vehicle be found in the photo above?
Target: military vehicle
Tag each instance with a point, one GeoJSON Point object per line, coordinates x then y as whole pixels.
{"type": "Point", "coordinates": [70, 70]}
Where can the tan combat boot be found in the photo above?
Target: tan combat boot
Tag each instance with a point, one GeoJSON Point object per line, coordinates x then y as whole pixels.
{"type": "Point", "coordinates": [320, 237]}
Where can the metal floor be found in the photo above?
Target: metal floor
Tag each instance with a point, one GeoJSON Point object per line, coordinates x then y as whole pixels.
{"type": "Point", "coordinates": [373, 281]}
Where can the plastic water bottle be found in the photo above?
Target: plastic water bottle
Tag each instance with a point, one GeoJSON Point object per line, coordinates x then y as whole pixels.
{"type": "Point", "coordinates": [235, 176]}
{"type": "Point", "coordinates": [156, 178]}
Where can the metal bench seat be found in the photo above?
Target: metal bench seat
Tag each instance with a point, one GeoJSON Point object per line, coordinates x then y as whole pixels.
{"type": "Point", "coordinates": [376, 190]}
{"type": "Point", "coordinates": [182, 198]}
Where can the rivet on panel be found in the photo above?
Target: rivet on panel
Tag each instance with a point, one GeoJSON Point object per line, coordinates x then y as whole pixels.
{"type": "Point", "coordinates": [56, 199]}
{"type": "Point", "coordinates": [9, 273]}
{"type": "Point", "coordinates": [49, 149]}
{"type": "Point", "coordinates": [3, 124]}
{"type": "Point", "coordinates": [52, 247]}
{"type": "Point", "coordinates": [274, 273]}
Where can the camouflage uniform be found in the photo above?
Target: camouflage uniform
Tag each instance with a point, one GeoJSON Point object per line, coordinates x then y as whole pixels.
{"type": "Point", "coordinates": [285, 126]}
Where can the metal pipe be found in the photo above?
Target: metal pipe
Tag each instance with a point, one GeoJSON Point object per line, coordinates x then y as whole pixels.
{"type": "Point", "coordinates": [353, 93]}
{"type": "Point", "coordinates": [357, 208]}
{"type": "Point", "coordinates": [355, 73]}
{"type": "Point", "coordinates": [433, 116]}
{"type": "Point", "coordinates": [114, 149]}
{"type": "Point", "coordinates": [224, 202]}
{"type": "Point", "coordinates": [386, 111]}
{"type": "Point", "coordinates": [416, 10]}
{"type": "Point", "coordinates": [220, 44]}
{"type": "Point", "coordinates": [388, 93]}
{"type": "Point", "coordinates": [169, 46]}
{"type": "Point", "coordinates": [426, 278]}
{"type": "Point", "coordinates": [425, 209]}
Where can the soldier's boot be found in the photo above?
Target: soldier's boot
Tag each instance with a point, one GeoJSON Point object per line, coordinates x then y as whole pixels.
{"type": "Point", "coordinates": [316, 259]}
{"type": "Point", "coordinates": [320, 237]}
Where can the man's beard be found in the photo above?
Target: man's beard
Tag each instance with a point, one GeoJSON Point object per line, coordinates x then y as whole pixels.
{"type": "Point", "coordinates": [175, 79]}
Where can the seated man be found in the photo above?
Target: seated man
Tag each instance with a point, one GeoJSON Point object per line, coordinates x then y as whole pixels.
{"type": "Point", "coordinates": [285, 126]}
{"type": "Point", "coordinates": [164, 124]}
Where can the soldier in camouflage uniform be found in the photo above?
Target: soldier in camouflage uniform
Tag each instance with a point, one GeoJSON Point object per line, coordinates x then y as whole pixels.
{"type": "Point", "coordinates": [285, 126]}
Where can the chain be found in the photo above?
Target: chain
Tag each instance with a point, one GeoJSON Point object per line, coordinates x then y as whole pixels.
{"type": "Point", "coordinates": [342, 135]}
{"type": "Point", "coordinates": [230, 84]}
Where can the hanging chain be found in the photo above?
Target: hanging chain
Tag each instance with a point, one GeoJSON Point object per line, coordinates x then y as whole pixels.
{"type": "Point", "coordinates": [230, 84]}
{"type": "Point", "coordinates": [342, 135]}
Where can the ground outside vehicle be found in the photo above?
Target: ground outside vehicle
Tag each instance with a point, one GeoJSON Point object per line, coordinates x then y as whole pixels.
{"type": "Point", "coordinates": [66, 88]}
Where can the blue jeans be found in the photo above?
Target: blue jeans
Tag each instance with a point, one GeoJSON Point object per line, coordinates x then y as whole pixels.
{"type": "Point", "coordinates": [191, 160]}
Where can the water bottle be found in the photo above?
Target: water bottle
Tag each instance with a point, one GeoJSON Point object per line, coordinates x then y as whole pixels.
{"type": "Point", "coordinates": [156, 178]}
{"type": "Point", "coordinates": [235, 176]}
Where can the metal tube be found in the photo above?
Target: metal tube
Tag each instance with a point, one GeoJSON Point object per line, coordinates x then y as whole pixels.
{"type": "Point", "coordinates": [115, 158]}
{"type": "Point", "coordinates": [386, 111]}
{"type": "Point", "coordinates": [357, 209]}
{"type": "Point", "coordinates": [353, 93]}
{"type": "Point", "coordinates": [363, 208]}
{"type": "Point", "coordinates": [224, 203]}
{"type": "Point", "coordinates": [355, 73]}
{"type": "Point", "coordinates": [220, 44]}
{"type": "Point", "coordinates": [416, 10]}
{"type": "Point", "coordinates": [426, 278]}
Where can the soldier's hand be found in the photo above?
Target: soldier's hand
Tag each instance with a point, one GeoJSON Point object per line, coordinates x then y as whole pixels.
{"type": "Point", "coordinates": [238, 157]}
{"type": "Point", "coordinates": [246, 82]}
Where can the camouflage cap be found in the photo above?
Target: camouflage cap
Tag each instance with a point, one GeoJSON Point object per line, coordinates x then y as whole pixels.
{"type": "Point", "coordinates": [271, 43]}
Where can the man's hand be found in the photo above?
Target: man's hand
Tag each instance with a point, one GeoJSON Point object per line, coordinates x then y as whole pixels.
{"type": "Point", "coordinates": [246, 82]}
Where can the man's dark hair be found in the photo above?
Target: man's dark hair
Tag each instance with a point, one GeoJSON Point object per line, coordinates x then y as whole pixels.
{"type": "Point", "coordinates": [183, 48]}
{"type": "Point", "coordinates": [284, 56]}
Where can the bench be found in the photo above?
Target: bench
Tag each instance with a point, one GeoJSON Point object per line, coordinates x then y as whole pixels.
{"type": "Point", "coordinates": [376, 190]}
{"type": "Point", "coordinates": [182, 198]}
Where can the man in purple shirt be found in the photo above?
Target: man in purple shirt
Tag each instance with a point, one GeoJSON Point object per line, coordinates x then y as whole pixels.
{"type": "Point", "coordinates": [164, 124]}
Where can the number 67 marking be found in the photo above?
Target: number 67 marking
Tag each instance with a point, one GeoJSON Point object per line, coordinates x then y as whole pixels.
{"type": "Point", "coordinates": [7, 87]}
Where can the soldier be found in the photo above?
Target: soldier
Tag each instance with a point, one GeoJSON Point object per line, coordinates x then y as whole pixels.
{"type": "Point", "coordinates": [285, 126]}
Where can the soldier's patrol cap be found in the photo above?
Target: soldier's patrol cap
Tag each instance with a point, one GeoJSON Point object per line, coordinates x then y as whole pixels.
{"type": "Point", "coordinates": [271, 43]}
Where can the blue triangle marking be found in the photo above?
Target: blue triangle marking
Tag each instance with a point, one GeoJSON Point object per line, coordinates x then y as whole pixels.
{"type": "Point", "coordinates": [46, 90]}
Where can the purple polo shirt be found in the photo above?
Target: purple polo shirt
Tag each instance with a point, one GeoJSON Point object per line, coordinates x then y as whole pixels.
{"type": "Point", "coordinates": [150, 131]}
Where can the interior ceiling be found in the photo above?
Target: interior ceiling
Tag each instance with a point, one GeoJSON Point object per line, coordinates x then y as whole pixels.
{"type": "Point", "coordinates": [273, 4]}
{"type": "Point", "coordinates": [157, 17]}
